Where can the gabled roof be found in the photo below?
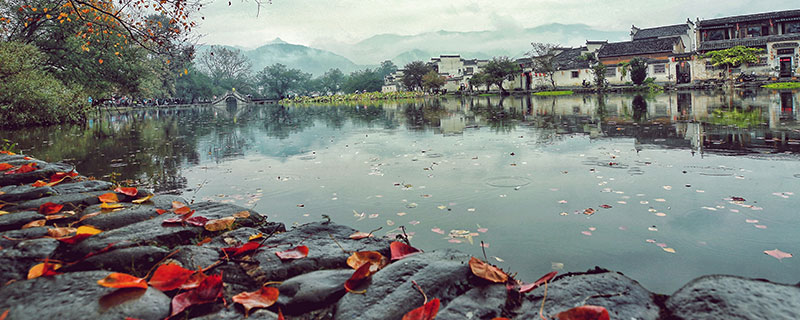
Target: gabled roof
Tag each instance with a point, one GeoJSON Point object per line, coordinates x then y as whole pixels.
{"type": "Point", "coordinates": [747, 42]}
{"type": "Point", "coordinates": [571, 59]}
{"type": "Point", "coordinates": [629, 48]}
{"type": "Point", "coordinates": [660, 32]}
{"type": "Point", "coordinates": [776, 15]}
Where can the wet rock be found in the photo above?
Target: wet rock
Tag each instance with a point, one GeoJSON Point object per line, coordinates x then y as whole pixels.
{"type": "Point", "coordinates": [153, 232]}
{"type": "Point", "coordinates": [313, 290]}
{"type": "Point", "coordinates": [15, 220]}
{"type": "Point", "coordinates": [74, 201]}
{"type": "Point", "coordinates": [623, 297]}
{"type": "Point", "coordinates": [441, 274]}
{"type": "Point", "coordinates": [165, 201]}
{"type": "Point", "coordinates": [481, 302]}
{"type": "Point", "coordinates": [24, 193]}
{"type": "Point", "coordinates": [732, 297]}
{"type": "Point", "coordinates": [136, 261]}
{"type": "Point", "coordinates": [323, 253]}
{"type": "Point", "coordinates": [78, 296]}
{"type": "Point", "coordinates": [44, 171]}
{"type": "Point", "coordinates": [237, 313]}
{"type": "Point", "coordinates": [107, 220]}
{"type": "Point", "coordinates": [82, 186]}
{"type": "Point", "coordinates": [195, 257]}
{"type": "Point", "coordinates": [11, 238]}
{"type": "Point", "coordinates": [17, 260]}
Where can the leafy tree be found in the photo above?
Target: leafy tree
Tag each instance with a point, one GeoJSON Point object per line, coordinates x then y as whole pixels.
{"type": "Point", "coordinates": [387, 68]}
{"type": "Point", "coordinates": [332, 81]}
{"type": "Point", "coordinates": [478, 79]}
{"type": "Point", "coordinates": [599, 71]}
{"type": "Point", "coordinates": [433, 81]}
{"type": "Point", "coordinates": [279, 80]}
{"type": "Point", "coordinates": [365, 80]}
{"type": "Point", "coordinates": [228, 68]}
{"type": "Point", "coordinates": [29, 95]}
{"type": "Point", "coordinates": [733, 57]}
{"type": "Point", "coordinates": [499, 70]}
{"type": "Point", "coordinates": [194, 85]}
{"type": "Point", "coordinates": [413, 73]}
{"type": "Point", "coordinates": [638, 70]}
{"type": "Point", "coordinates": [543, 56]}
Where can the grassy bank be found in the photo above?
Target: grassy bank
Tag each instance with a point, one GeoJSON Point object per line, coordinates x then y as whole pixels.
{"type": "Point", "coordinates": [554, 93]}
{"type": "Point", "coordinates": [783, 85]}
{"type": "Point", "coordinates": [368, 96]}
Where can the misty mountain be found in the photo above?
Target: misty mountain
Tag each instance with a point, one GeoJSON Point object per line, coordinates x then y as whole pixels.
{"type": "Point", "coordinates": [512, 42]}
{"type": "Point", "coordinates": [314, 61]}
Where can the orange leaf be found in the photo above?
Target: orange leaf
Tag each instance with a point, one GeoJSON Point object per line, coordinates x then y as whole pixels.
{"type": "Point", "coordinates": [401, 250]}
{"type": "Point", "coordinates": [100, 61]}
{"type": "Point", "coordinates": [38, 184]}
{"type": "Point", "coordinates": [108, 197]}
{"type": "Point", "coordinates": [5, 314]}
{"type": "Point", "coordinates": [426, 312]}
{"type": "Point", "coordinates": [263, 298]}
{"type": "Point", "coordinates": [586, 312]}
{"type": "Point", "coordinates": [298, 252]}
{"type": "Point", "coordinates": [87, 230]}
{"type": "Point", "coordinates": [182, 210]}
{"type": "Point", "coordinates": [25, 168]}
{"type": "Point", "coordinates": [59, 176]}
{"type": "Point", "coordinates": [122, 280]}
{"type": "Point", "coordinates": [5, 166]}
{"type": "Point", "coordinates": [143, 199]}
{"type": "Point", "coordinates": [161, 211]}
{"type": "Point", "coordinates": [43, 269]}
{"type": "Point", "coordinates": [374, 258]}
{"type": "Point", "coordinates": [170, 277]}
{"type": "Point", "coordinates": [242, 214]}
{"type": "Point", "coordinates": [50, 208]}
{"type": "Point", "coordinates": [204, 241]}
{"type": "Point", "coordinates": [35, 223]}
{"type": "Point", "coordinates": [525, 288]}
{"type": "Point", "coordinates": [487, 271]}
{"type": "Point", "coordinates": [127, 191]}
{"type": "Point", "coordinates": [178, 204]}
{"type": "Point", "coordinates": [357, 278]}
{"type": "Point", "coordinates": [219, 224]}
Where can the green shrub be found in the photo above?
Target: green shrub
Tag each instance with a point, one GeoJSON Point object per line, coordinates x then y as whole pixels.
{"type": "Point", "coordinates": [553, 93]}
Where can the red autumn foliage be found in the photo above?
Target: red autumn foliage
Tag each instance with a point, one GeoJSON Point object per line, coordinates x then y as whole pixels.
{"type": "Point", "coordinates": [525, 288]}
{"type": "Point", "coordinates": [197, 221]}
{"type": "Point", "coordinates": [208, 291]}
{"type": "Point", "coordinates": [263, 298]}
{"type": "Point", "coordinates": [75, 239]}
{"type": "Point", "coordinates": [358, 277]}
{"type": "Point", "coordinates": [426, 312]}
{"type": "Point", "coordinates": [25, 168]}
{"type": "Point", "coordinates": [108, 197]}
{"type": "Point", "coordinates": [298, 252]}
{"type": "Point", "coordinates": [127, 191]}
{"type": "Point", "coordinates": [161, 211]}
{"type": "Point", "coordinates": [170, 277]}
{"type": "Point", "coordinates": [487, 271]}
{"type": "Point", "coordinates": [242, 249]}
{"type": "Point", "coordinates": [50, 208]}
{"type": "Point", "coordinates": [122, 280]}
{"type": "Point", "coordinates": [61, 175]}
{"type": "Point", "coordinates": [401, 250]}
{"type": "Point", "coordinates": [586, 312]}
{"type": "Point", "coordinates": [5, 166]}
{"type": "Point", "coordinates": [194, 280]}
{"type": "Point", "coordinates": [280, 315]}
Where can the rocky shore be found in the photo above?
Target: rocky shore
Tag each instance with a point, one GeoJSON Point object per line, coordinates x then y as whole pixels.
{"type": "Point", "coordinates": [134, 239]}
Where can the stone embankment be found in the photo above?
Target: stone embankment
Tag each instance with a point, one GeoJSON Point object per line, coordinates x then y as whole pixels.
{"type": "Point", "coordinates": [135, 240]}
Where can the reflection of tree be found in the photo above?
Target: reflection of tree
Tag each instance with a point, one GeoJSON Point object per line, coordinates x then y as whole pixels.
{"type": "Point", "coordinates": [497, 117]}
{"type": "Point", "coordinates": [420, 115]}
{"type": "Point", "coordinates": [639, 109]}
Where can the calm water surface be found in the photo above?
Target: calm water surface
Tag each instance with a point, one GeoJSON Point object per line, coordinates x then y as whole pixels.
{"type": "Point", "coordinates": [518, 174]}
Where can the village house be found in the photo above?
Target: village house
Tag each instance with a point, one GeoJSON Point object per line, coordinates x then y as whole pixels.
{"type": "Point", "coordinates": [777, 33]}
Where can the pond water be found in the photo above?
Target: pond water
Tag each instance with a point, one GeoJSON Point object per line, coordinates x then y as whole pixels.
{"type": "Point", "coordinates": [680, 184]}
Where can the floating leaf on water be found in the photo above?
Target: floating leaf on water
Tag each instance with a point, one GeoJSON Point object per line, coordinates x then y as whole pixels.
{"type": "Point", "coordinates": [588, 233]}
{"type": "Point", "coordinates": [670, 250]}
{"type": "Point", "coordinates": [778, 254]}
{"type": "Point", "coordinates": [437, 230]}
{"type": "Point", "coordinates": [661, 214]}
{"type": "Point", "coordinates": [667, 187]}
{"type": "Point", "coordinates": [653, 228]}
{"type": "Point", "coordinates": [442, 207]}
{"type": "Point", "coordinates": [471, 209]}
{"type": "Point", "coordinates": [760, 226]}
{"type": "Point", "coordinates": [498, 259]}
{"type": "Point", "coordinates": [588, 211]}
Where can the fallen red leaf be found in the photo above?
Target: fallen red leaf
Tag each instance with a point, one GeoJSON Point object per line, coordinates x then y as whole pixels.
{"type": "Point", "coordinates": [525, 288]}
{"type": "Point", "coordinates": [197, 221]}
{"type": "Point", "coordinates": [374, 258]}
{"type": "Point", "coordinates": [108, 197]}
{"type": "Point", "coordinates": [208, 291]}
{"type": "Point", "coordinates": [242, 249]}
{"type": "Point", "coordinates": [161, 211]}
{"type": "Point", "coordinates": [122, 280]}
{"type": "Point", "coordinates": [183, 211]}
{"type": "Point", "coordinates": [487, 271]}
{"type": "Point", "coordinates": [5, 314]}
{"type": "Point", "coordinates": [588, 211]}
{"type": "Point", "coordinates": [298, 252]}
{"type": "Point", "coordinates": [358, 277]}
{"type": "Point", "coordinates": [34, 224]}
{"type": "Point", "coordinates": [587, 312]}
{"type": "Point", "coordinates": [425, 312]}
{"type": "Point", "coordinates": [5, 166]}
{"type": "Point", "coordinates": [263, 298]}
{"type": "Point", "coordinates": [25, 168]}
{"type": "Point", "coordinates": [127, 191]}
{"type": "Point", "coordinates": [43, 269]}
{"type": "Point", "coordinates": [194, 280]}
{"type": "Point", "coordinates": [280, 314]}
{"type": "Point", "coordinates": [204, 241]}
{"type": "Point", "coordinates": [605, 206]}
{"type": "Point", "coordinates": [50, 208]}
{"type": "Point", "coordinates": [39, 183]}
{"type": "Point", "coordinates": [61, 175]}
{"type": "Point", "coordinates": [75, 239]}
{"type": "Point", "coordinates": [401, 250]}
{"type": "Point", "coordinates": [170, 277]}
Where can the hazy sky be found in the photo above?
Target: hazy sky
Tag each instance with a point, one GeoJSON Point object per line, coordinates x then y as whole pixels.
{"type": "Point", "coordinates": [323, 23]}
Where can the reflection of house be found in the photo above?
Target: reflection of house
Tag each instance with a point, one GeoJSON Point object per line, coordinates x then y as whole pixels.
{"type": "Point", "coordinates": [778, 33]}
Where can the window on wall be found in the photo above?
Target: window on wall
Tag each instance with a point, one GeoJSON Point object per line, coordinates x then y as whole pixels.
{"type": "Point", "coordinates": [718, 34]}
{"type": "Point", "coordinates": [753, 31]}
{"type": "Point", "coordinates": [576, 74]}
{"type": "Point", "coordinates": [611, 71]}
{"type": "Point", "coordinates": [791, 27]}
{"type": "Point", "coordinates": [659, 68]}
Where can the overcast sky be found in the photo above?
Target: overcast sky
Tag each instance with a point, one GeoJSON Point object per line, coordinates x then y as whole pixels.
{"type": "Point", "coordinates": [323, 23]}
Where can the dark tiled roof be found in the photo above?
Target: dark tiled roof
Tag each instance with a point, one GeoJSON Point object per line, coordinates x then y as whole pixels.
{"type": "Point", "coordinates": [666, 31]}
{"type": "Point", "coordinates": [750, 17]}
{"type": "Point", "coordinates": [629, 48]}
{"type": "Point", "coordinates": [747, 42]}
{"type": "Point", "coordinates": [571, 59]}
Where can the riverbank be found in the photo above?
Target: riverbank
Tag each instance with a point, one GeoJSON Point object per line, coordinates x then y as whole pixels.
{"type": "Point", "coordinates": [135, 239]}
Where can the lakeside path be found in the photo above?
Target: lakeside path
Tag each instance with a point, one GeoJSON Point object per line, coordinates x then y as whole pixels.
{"type": "Point", "coordinates": [43, 205]}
